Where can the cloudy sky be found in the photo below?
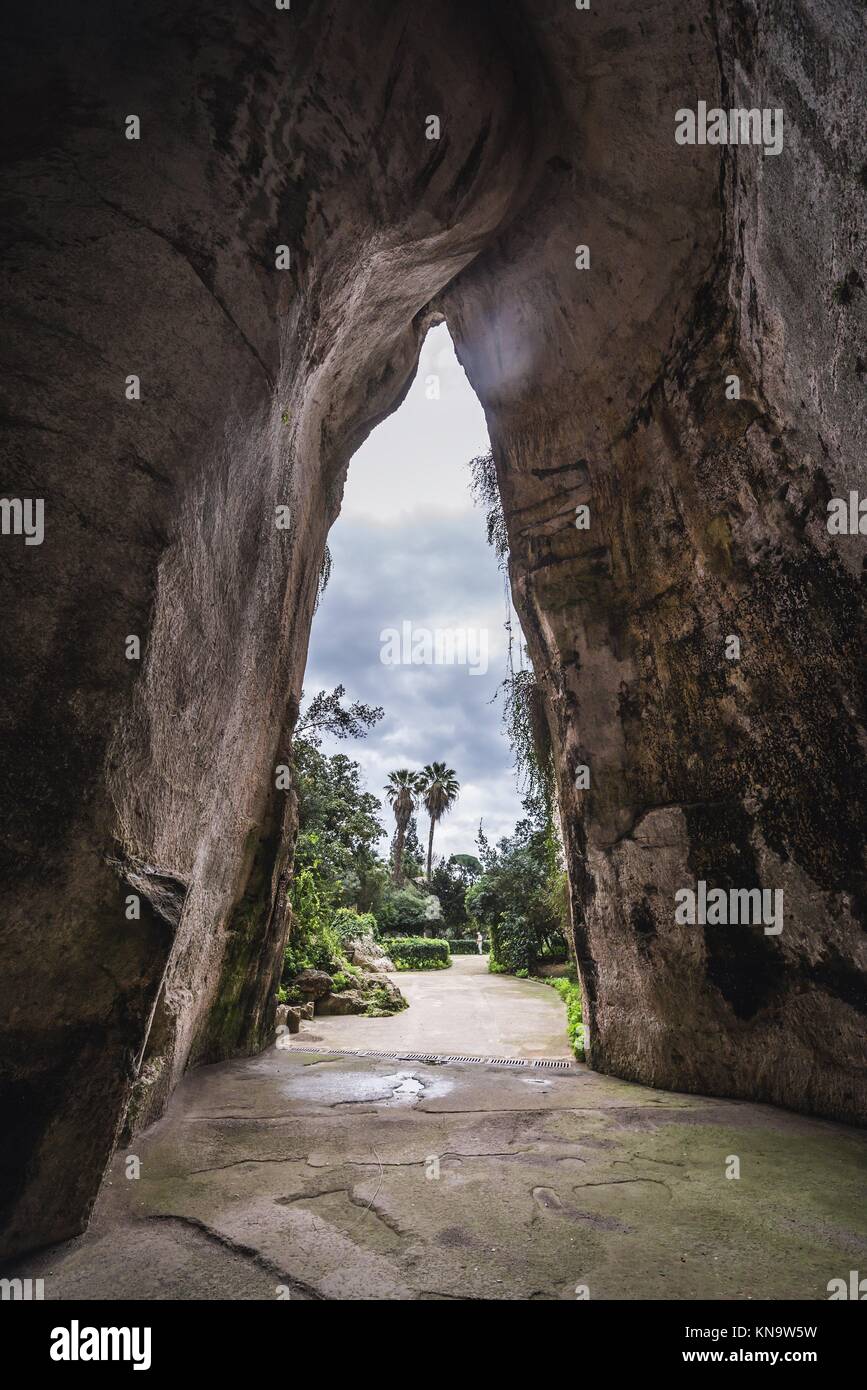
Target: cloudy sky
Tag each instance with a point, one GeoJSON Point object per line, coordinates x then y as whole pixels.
{"type": "Point", "coordinates": [409, 546]}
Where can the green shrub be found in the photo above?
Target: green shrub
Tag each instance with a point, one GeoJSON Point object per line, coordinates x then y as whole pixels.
{"type": "Point", "coordinates": [554, 952]}
{"type": "Point", "coordinates": [313, 944]}
{"type": "Point", "coordinates": [514, 944]}
{"type": "Point", "coordinates": [402, 909]}
{"type": "Point", "coordinates": [380, 1004]}
{"type": "Point", "coordinates": [569, 991]}
{"type": "Point", "coordinates": [319, 951]}
{"type": "Point", "coordinates": [418, 952]}
{"type": "Point", "coordinates": [466, 947]}
{"type": "Point", "coordinates": [347, 923]}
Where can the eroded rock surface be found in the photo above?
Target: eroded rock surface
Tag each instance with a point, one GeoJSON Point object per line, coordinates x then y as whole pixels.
{"type": "Point", "coordinates": [542, 1182]}
{"type": "Point", "coordinates": [363, 951]}
{"type": "Point", "coordinates": [154, 779]}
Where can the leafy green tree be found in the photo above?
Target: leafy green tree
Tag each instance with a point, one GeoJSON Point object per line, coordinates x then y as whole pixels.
{"type": "Point", "coordinates": [402, 910]}
{"type": "Point", "coordinates": [413, 854]}
{"type": "Point", "coordinates": [333, 805]}
{"type": "Point", "coordinates": [336, 864]}
{"type": "Point", "coordinates": [326, 715]}
{"type": "Point", "coordinates": [450, 880]}
{"type": "Point", "coordinates": [519, 895]}
{"type": "Point", "coordinates": [440, 790]}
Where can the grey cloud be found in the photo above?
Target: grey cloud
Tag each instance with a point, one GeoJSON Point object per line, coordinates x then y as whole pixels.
{"type": "Point", "coordinates": [432, 572]}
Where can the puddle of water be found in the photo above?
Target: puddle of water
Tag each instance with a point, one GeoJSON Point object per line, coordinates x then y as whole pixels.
{"type": "Point", "coordinates": [409, 1089]}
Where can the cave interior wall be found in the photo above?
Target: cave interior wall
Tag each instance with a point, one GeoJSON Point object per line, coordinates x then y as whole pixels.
{"type": "Point", "coordinates": [601, 386]}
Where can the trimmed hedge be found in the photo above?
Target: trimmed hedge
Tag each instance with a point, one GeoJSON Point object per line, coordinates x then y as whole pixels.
{"type": "Point", "coordinates": [417, 952]}
{"type": "Point", "coordinates": [466, 947]}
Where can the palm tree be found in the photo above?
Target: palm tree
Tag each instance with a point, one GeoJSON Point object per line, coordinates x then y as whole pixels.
{"type": "Point", "coordinates": [439, 791]}
{"type": "Point", "coordinates": [402, 789]}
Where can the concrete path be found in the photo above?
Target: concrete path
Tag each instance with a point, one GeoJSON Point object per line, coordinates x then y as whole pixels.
{"type": "Point", "coordinates": [463, 1010]}
{"type": "Point", "coordinates": [298, 1175]}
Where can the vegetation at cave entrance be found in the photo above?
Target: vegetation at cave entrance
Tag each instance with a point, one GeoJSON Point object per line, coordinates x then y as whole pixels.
{"type": "Point", "coordinates": [513, 892]}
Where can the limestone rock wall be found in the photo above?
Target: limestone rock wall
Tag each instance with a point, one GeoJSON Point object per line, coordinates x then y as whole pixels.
{"type": "Point", "coordinates": [258, 129]}
{"type": "Point", "coordinates": [607, 387]}
{"type": "Point", "coordinates": [156, 257]}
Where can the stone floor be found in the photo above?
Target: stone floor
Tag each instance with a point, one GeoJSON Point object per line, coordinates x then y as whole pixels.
{"type": "Point", "coordinates": [464, 1010]}
{"type": "Point", "coordinates": [298, 1175]}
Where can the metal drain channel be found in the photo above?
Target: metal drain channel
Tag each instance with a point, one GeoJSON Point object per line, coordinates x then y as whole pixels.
{"type": "Point", "coordinates": [551, 1063]}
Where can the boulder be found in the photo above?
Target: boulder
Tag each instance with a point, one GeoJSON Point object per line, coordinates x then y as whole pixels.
{"type": "Point", "coordinates": [384, 986]}
{"type": "Point", "coordinates": [368, 954]}
{"type": "Point", "coordinates": [349, 1001]}
{"type": "Point", "coordinates": [313, 982]}
{"type": "Point", "coordinates": [289, 1016]}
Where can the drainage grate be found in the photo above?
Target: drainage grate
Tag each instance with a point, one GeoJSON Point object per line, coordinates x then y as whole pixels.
{"type": "Point", "coordinates": [552, 1063]}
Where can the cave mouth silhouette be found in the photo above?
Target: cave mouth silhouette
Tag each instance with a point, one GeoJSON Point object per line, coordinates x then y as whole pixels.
{"type": "Point", "coordinates": [416, 618]}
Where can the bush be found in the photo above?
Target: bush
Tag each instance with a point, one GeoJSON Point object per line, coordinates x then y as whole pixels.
{"type": "Point", "coordinates": [418, 952]}
{"type": "Point", "coordinates": [379, 1003]}
{"type": "Point", "coordinates": [402, 909]}
{"type": "Point", "coordinates": [317, 949]}
{"type": "Point", "coordinates": [348, 923]}
{"type": "Point", "coordinates": [312, 944]}
{"type": "Point", "coordinates": [569, 991]}
{"type": "Point", "coordinates": [514, 944]}
{"type": "Point", "coordinates": [466, 946]}
{"type": "Point", "coordinates": [554, 952]}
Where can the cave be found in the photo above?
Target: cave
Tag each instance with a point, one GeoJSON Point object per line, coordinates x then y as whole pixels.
{"type": "Point", "coordinates": [663, 334]}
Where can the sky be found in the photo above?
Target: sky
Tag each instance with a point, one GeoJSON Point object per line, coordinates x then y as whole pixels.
{"type": "Point", "coordinates": [409, 547]}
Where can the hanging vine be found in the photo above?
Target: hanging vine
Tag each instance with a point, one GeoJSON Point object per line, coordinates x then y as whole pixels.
{"type": "Point", "coordinates": [485, 492]}
{"type": "Point", "coordinates": [324, 576]}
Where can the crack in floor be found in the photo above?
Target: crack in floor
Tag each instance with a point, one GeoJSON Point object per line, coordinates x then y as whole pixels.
{"type": "Point", "coordinates": [239, 1162]}
{"type": "Point", "coordinates": [345, 1190]}
{"type": "Point", "coordinates": [642, 1158]}
{"type": "Point", "coordinates": [520, 1110]}
{"type": "Point", "coordinates": [620, 1182]}
{"type": "Point", "coordinates": [420, 1162]}
{"type": "Point", "coordinates": [247, 1252]}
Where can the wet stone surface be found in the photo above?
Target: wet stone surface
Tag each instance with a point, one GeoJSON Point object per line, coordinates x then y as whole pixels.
{"type": "Point", "coordinates": [313, 1176]}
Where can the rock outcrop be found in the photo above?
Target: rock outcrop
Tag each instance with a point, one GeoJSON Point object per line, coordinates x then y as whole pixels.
{"type": "Point", "coordinates": [313, 984]}
{"type": "Point", "coordinates": [366, 953]}
{"type": "Point", "coordinates": [370, 993]}
{"type": "Point", "coordinates": [186, 410]}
